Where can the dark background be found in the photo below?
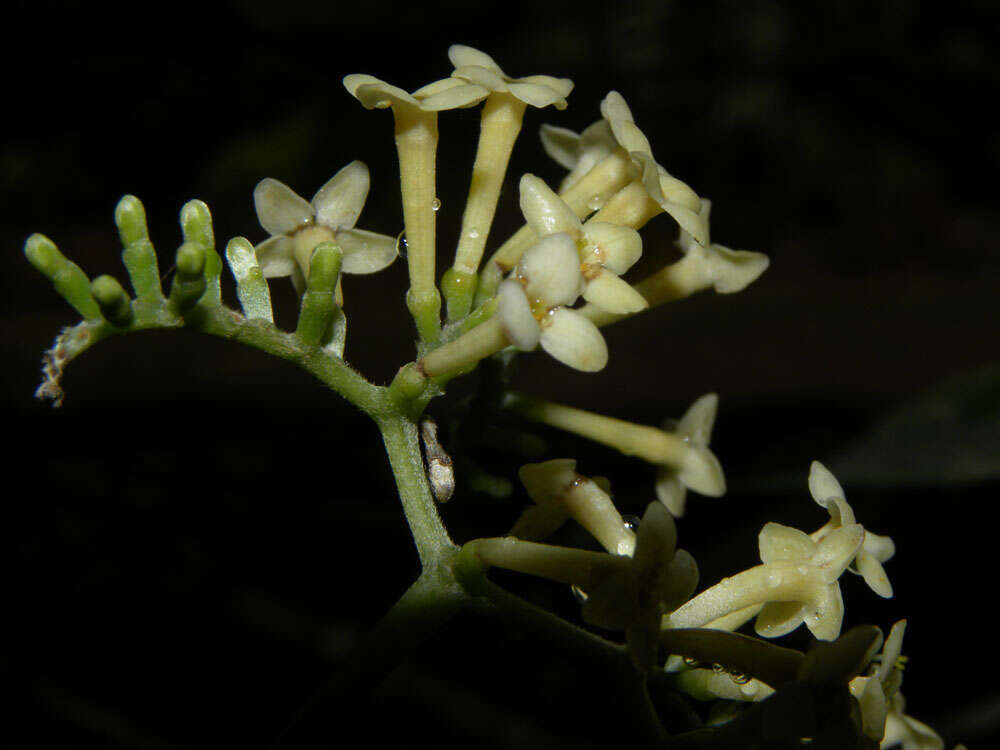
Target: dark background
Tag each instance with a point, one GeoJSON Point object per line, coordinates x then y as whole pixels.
{"type": "Point", "coordinates": [201, 534]}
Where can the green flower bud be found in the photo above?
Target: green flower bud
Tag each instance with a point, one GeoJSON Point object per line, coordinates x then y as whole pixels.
{"type": "Point", "coordinates": [112, 299]}
{"type": "Point", "coordinates": [66, 276]}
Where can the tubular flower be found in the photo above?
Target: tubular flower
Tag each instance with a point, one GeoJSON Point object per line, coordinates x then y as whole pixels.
{"type": "Point", "coordinates": [479, 69]}
{"type": "Point", "coordinates": [561, 493]}
{"type": "Point", "coordinates": [606, 250]}
{"type": "Point", "coordinates": [695, 427]}
{"type": "Point", "coordinates": [532, 306]}
{"type": "Point", "coordinates": [297, 226]}
{"type": "Point", "coordinates": [875, 550]}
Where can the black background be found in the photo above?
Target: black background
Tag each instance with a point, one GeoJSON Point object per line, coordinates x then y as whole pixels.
{"type": "Point", "coordinates": [201, 534]}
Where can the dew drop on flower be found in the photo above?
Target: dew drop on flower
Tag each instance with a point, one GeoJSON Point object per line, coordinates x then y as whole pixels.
{"type": "Point", "coordinates": [749, 689]}
{"type": "Point", "coordinates": [436, 204]}
{"type": "Point", "coordinates": [631, 522]}
{"type": "Point", "coordinates": [691, 661]}
{"type": "Point", "coordinates": [739, 678]}
{"type": "Point", "coordinates": [595, 203]}
{"type": "Point", "coordinates": [719, 669]}
{"type": "Point", "coordinates": [401, 244]}
{"type": "Point", "coordinates": [579, 594]}
{"type": "Point", "coordinates": [474, 233]}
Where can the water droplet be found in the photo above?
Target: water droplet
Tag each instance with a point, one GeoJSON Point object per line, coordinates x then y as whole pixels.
{"type": "Point", "coordinates": [691, 661]}
{"type": "Point", "coordinates": [579, 594]}
{"type": "Point", "coordinates": [719, 669]}
{"type": "Point", "coordinates": [739, 678]}
{"type": "Point", "coordinates": [474, 233]}
{"type": "Point", "coordinates": [595, 203]}
{"type": "Point", "coordinates": [773, 580]}
{"type": "Point", "coordinates": [631, 522]}
{"type": "Point", "coordinates": [401, 244]}
{"type": "Point", "coordinates": [436, 204]}
{"type": "Point", "coordinates": [749, 689]}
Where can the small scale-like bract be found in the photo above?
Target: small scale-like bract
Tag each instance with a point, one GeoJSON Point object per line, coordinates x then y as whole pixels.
{"type": "Point", "coordinates": [440, 470]}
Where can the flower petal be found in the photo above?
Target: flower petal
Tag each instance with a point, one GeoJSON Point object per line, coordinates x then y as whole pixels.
{"type": "Point", "coordinates": [539, 522]}
{"type": "Point", "coordinates": [670, 491]}
{"type": "Point", "coordinates": [339, 202]}
{"type": "Point", "coordinates": [450, 93]}
{"type": "Point", "coordinates": [680, 581]}
{"type": "Point", "coordinates": [825, 616]}
{"type": "Point", "coordinates": [702, 472]}
{"type": "Point", "coordinates": [778, 618]}
{"type": "Point", "coordinates": [574, 340]}
{"type": "Point", "coordinates": [613, 107]}
{"type": "Point", "coordinates": [779, 543]}
{"type": "Point", "coordinates": [551, 269]}
{"type": "Point", "coordinates": [374, 93]}
{"type": "Point", "coordinates": [275, 255]}
{"type": "Point", "coordinates": [536, 94]}
{"type": "Point", "coordinates": [613, 294]}
{"type": "Point", "coordinates": [366, 252]}
{"type": "Point", "coordinates": [546, 212]}
{"type": "Point", "coordinates": [545, 481]}
{"type": "Point", "coordinates": [836, 550]}
{"type": "Point", "coordinates": [561, 144]}
{"type": "Point", "coordinates": [612, 245]}
{"type": "Point", "coordinates": [480, 76]}
{"type": "Point", "coordinates": [461, 55]}
{"type": "Point", "coordinates": [280, 209]}
{"type": "Point", "coordinates": [874, 574]}
{"type": "Point", "coordinates": [734, 270]}
{"type": "Point", "coordinates": [697, 422]}
{"type": "Point", "coordinates": [561, 86]}
{"type": "Point", "coordinates": [515, 315]}
{"type": "Point", "coordinates": [823, 485]}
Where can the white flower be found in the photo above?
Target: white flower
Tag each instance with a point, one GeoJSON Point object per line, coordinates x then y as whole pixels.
{"type": "Point", "coordinates": [298, 226]}
{"type": "Point", "coordinates": [875, 550]}
{"type": "Point", "coordinates": [905, 731]}
{"type": "Point", "coordinates": [478, 68]}
{"type": "Point", "coordinates": [532, 306]}
{"type": "Point", "coordinates": [783, 549]}
{"type": "Point", "coordinates": [695, 427]}
{"type": "Point", "coordinates": [727, 271]}
{"type": "Point", "coordinates": [606, 250]}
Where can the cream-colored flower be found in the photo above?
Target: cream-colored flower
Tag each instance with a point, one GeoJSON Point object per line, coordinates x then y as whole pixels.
{"type": "Point", "coordinates": [906, 732]}
{"type": "Point", "coordinates": [297, 226]}
{"type": "Point", "coordinates": [477, 68]}
{"type": "Point", "coordinates": [560, 493]}
{"type": "Point", "coordinates": [875, 550]}
{"type": "Point", "coordinates": [725, 270]}
{"type": "Point", "coordinates": [532, 306]}
{"type": "Point", "coordinates": [606, 250]}
{"type": "Point", "coordinates": [873, 691]}
{"type": "Point", "coordinates": [695, 427]}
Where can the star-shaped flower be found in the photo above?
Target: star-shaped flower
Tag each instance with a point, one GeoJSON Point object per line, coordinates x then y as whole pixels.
{"type": "Point", "coordinates": [448, 93]}
{"type": "Point", "coordinates": [785, 550]}
{"type": "Point", "coordinates": [672, 483]}
{"type": "Point", "coordinates": [875, 550]}
{"type": "Point", "coordinates": [297, 226]}
{"type": "Point", "coordinates": [478, 68]}
{"type": "Point", "coordinates": [605, 250]}
{"type": "Point", "coordinates": [532, 306]}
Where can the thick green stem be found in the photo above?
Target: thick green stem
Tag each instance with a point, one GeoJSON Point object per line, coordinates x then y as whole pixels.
{"type": "Point", "coordinates": [402, 443]}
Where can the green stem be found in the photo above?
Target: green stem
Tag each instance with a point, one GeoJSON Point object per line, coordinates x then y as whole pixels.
{"type": "Point", "coordinates": [402, 444]}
